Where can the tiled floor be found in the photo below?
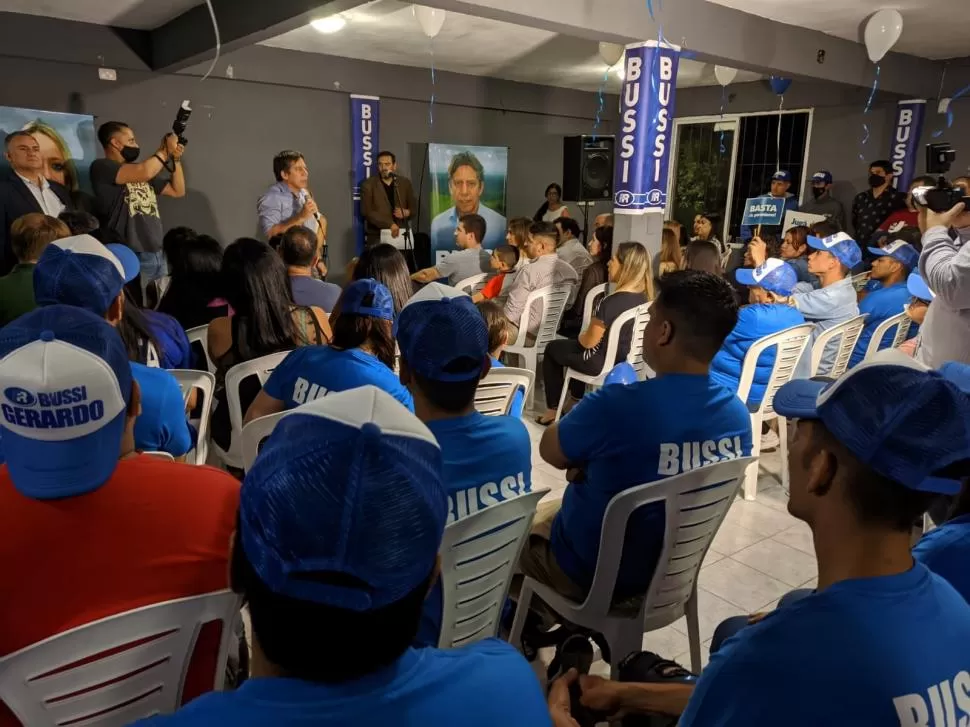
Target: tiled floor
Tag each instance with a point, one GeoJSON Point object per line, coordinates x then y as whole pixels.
{"type": "Point", "coordinates": [759, 554]}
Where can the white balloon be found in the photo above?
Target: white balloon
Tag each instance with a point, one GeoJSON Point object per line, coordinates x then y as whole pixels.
{"type": "Point", "coordinates": [611, 53]}
{"type": "Point", "coordinates": [882, 31]}
{"type": "Point", "coordinates": [725, 75]}
{"type": "Point", "coordinates": [431, 19]}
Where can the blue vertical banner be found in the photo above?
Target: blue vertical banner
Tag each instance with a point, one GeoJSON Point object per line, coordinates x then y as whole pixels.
{"type": "Point", "coordinates": [906, 133]}
{"type": "Point", "coordinates": [365, 127]}
{"type": "Point", "coordinates": [646, 127]}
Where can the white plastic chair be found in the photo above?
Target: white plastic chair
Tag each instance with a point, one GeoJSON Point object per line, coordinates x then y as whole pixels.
{"type": "Point", "coordinates": [609, 361]}
{"type": "Point", "coordinates": [552, 300]}
{"type": "Point", "coordinates": [478, 556]}
{"type": "Point", "coordinates": [635, 357]}
{"type": "Point", "coordinates": [254, 434]}
{"type": "Point", "coordinates": [695, 503]}
{"type": "Point", "coordinates": [859, 281]}
{"type": "Point", "coordinates": [494, 394]}
{"type": "Point", "coordinates": [593, 297]}
{"type": "Point", "coordinates": [261, 368]}
{"type": "Point", "coordinates": [901, 322]}
{"type": "Point", "coordinates": [205, 382]}
{"type": "Point", "coordinates": [789, 346]}
{"type": "Point", "coordinates": [199, 341]}
{"type": "Point", "coordinates": [161, 455]}
{"type": "Point", "coordinates": [848, 334]}
{"type": "Point", "coordinates": [473, 284]}
{"type": "Point", "coordinates": [117, 670]}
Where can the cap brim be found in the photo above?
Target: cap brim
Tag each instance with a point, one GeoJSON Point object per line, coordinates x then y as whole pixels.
{"type": "Point", "coordinates": [52, 470]}
{"type": "Point", "coordinates": [816, 242]}
{"type": "Point", "coordinates": [878, 251]}
{"type": "Point", "coordinates": [745, 276]}
{"type": "Point", "coordinates": [798, 399]}
{"type": "Point", "coordinates": [128, 259]}
{"type": "Point", "coordinates": [939, 485]}
{"type": "Point", "coordinates": [918, 288]}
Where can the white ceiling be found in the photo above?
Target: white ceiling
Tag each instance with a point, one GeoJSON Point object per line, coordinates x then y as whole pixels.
{"type": "Point", "coordinates": [387, 32]}
{"type": "Point", "coordinates": [931, 28]}
{"type": "Point", "coordinates": [141, 14]}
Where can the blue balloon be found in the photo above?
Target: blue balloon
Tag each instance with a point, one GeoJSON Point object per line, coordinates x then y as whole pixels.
{"type": "Point", "coordinates": [622, 373]}
{"type": "Point", "coordinates": [779, 84]}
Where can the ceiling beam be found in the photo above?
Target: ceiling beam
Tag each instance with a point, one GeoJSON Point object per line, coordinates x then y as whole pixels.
{"type": "Point", "coordinates": [716, 34]}
{"type": "Point", "coordinates": [189, 38]}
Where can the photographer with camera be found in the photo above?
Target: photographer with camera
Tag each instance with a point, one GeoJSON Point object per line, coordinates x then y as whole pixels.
{"type": "Point", "coordinates": [125, 192]}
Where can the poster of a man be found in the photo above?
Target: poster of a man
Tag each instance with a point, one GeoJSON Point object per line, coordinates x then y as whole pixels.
{"type": "Point", "coordinates": [467, 180]}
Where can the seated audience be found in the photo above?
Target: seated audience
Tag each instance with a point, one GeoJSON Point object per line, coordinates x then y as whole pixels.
{"type": "Point", "coordinates": [705, 230]}
{"type": "Point", "coordinates": [670, 257]}
{"type": "Point", "coordinates": [795, 252]}
{"type": "Point", "coordinates": [385, 264]}
{"type": "Point", "coordinates": [679, 231]}
{"type": "Point", "coordinates": [485, 459]}
{"type": "Point", "coordinates": [29, 237]}
{"type": "Point", "coordinates": [605, 219]}
{"type": "Point", "coordinates": [919, 304]}
{"type": "Point", "coordinates": [571, 248]}
{"type": "Point", "coordinates": [194, 296]}
{"type": "Point", "coordinates": [704, 257]}
{"type": "Point", "coordinates": [265, 320]}
{"type": "Point", "coordinates": [502, 262]}
{"type": "Point", "coordinates": [79, 222]}
{"type": "Point", "coordinates": [908, 216]}
{"type": "Point", "coordinates": [624, 436]}
{"type": "Point", "coordinates": [498, 338]}
{"type": "Point", "coordinates": [301, 256]}
{"type": "Point", "coordinates": [630, 272]}
{"type": "Point", "coordinates": [859, 481]}
{"type": "Point", "coordinates": [470, 259]}
{"type": "Point", "coordinates": [834, 302]}
{"type": "Point", "coordinates": [91, 528]}
{"type": "Point", "coordinates": [546, 269]}
{"type": "Point", "coordinates": [890, 268]}
{"type": "Point", "coordinates": [596, 273]}
{"type": "Point", "coordinates": [361, 352]}
{"type": "Point", "coordinates": [770, 311]}
{"type": "Point", "coordinates": [80, 271]}
{"type": "Point", "coordinates": [358, 592]}
{"type": "Point", "coordinates": [517, 235]}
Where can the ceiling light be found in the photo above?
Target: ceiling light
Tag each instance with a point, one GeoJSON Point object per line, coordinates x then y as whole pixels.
{"type": "Point", "coordinates": [329, 24]}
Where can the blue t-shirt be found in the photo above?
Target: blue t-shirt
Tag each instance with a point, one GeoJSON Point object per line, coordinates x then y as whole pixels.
{"type": "Point", "coordinates": [310, 291]}
{"type": "Point", "coordinates": [309, 372]}
{"type": "Point", "coordinates": [518, 398]}
{"type": "Point", "coordinates": [946, 551]}
{"type": "Point", "coordinates": [162, 425]}
{"type": "Point", "coordinates": [871, 651]}
{"type": "Point", "coordinates": [485, 460]}
{"type": "Point", "coordinates": [176, 352]}
{"type": "Point", "coordinates": [624, 436]}
{"type": "Point", "coordinates": [482, 685]}
{"type": "Point", "coordinates": [880, 304]}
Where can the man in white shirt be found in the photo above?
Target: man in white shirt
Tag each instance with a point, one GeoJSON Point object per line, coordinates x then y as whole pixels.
{"type": "Point", "coordinates": [570, 249]}
{"type": "Point", "coordinates": [24, 189]}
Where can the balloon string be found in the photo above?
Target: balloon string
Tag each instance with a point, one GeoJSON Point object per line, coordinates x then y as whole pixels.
{"type": "Point", "coordinates": [723, 101]}
{"type": "Point", "coordinates": [781, 104]}
{"type": "Point", "coordinates": [215, 27]}
{"type": "Point", "coordinates": [602, 101]}
{"type": "Point", "coordinates": [433, 88]}
{"type": "Point", "coordinates": [865, 126]}
{"type": "Point", "coordinates": [949, 111]}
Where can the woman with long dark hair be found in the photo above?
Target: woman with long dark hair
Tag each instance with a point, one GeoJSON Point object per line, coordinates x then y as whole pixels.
{"type": "Point", "coordinates": [385, 264]}
{"type": "Point", "coordinates": [601, 248]}
{"type": "Point", "coordinates": [553, 208]}
{"type": "Point", "coordinates": [194, 295]}
{"type": "Point", "coordinates": [361, 353]}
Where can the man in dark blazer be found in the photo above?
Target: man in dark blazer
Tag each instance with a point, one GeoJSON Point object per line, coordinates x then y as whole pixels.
{"type": "Point", "coordinates": [23, 189]}
{"type": "Point", "coordinates": [387, 201]}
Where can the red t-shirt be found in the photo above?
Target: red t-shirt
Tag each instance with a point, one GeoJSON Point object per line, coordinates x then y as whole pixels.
{"type": "Point", "coordinates": [900, 219]}
{"type": "Point", "coordinates": [156, 531]}
{"type": "Point", "coordinates": [493, 287]}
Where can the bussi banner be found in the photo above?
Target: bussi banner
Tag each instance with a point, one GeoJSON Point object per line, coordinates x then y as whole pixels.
{"type": "Point", "coordinates": [906, 134]}
{"type": "Point", "coordinates": [365, 127]}
{"type": "Point", "coordinates": [646, 127]}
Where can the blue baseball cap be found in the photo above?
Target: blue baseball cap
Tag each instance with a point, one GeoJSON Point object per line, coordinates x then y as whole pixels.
{"type": "Point", "coordinates": [78, 271]}
{"type": "Point", "coordinates": [348, 485]}
{"type": "Point", "coordinates": [65, 385]}
{"type": "Point", "coordinates": [906, 421]}
{"type": "Point", "coordinates": [918, 288]}
{"type": "Point", "coordinates": [898, 250]}
{"type": "Point", "coordinates": [781, 176]}
{"type": "Point", "coordinates": [128, 259]}
{"type": "Point", "coordinates": [354, 295]}
{"type": "Point", "coordinates": [841, 245]}
{"type": "Point", "coordinates": [774, 275]}
{"type": "Point", "coordinates": [822, 176]}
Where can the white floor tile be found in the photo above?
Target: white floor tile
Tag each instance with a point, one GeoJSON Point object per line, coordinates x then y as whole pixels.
{"type": "Point", "coordinates": [798, 536]}
{"type": "Point", "coordinates": [666, 642]}
{"type": "Point", "coordinates": [731, 538]}
{"type": "Point", "coordinates": [758, 518]}
{"type": "Point", "coordinates": [741, 585]}
{"type": "Point", "coordinates": [684, 659]}
{"type": "Point", "coordinates": [711, 610]}
{"type": "Point", "coordinates": [789, 565]}
{"type": "Point", "coordinates": [773, 496]}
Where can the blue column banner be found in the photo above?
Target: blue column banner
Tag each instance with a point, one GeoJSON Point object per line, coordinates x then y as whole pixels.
{"type": "Point", "coordinates": [646, 128]}
{"type": "Point", "coordinates": [365, 126]}
{"type": "Point", "coordinates": [906, 134]}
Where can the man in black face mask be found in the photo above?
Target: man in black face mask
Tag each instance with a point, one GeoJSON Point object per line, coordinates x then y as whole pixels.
{"type": "Point", "coordinates": [871, 208]}
{"type": "Point", "coordinates": [126, 192]}
{"type": "Point", "coordinates": [822, 202]}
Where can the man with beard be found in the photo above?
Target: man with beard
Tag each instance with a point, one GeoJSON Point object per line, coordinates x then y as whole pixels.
{"type": "Point", "coordinates": [387, 201]}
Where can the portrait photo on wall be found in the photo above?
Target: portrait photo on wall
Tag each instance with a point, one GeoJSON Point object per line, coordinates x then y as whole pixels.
{"type": "Point", "coordinates": [467, 180]}
{"type": "Point", "coordinates": [67, 142]}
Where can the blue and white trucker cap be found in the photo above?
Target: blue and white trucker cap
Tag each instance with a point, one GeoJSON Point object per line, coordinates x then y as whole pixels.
{"type": "Point", "coordinates": [774, 275]}
{"type": "Point", "coordinates": [898, 250]}
{"type": "Point", "coordinates": [904, 420]}
{"type": "Point", "coordinates": [79, 271]}
{"type": "Point", "coordinates": [65, 384]}
{"type": "Point", "coordinates": [843, 247]}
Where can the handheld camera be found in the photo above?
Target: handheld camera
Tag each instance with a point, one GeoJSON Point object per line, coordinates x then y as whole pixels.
{"type": "Point", "coordinates": [182, 121]}
{"type": "Point", "coordinates": [942, 197]}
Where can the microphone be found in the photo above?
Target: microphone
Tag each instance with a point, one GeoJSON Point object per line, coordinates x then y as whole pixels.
{"type": "Point", "coordinates": [316, 215]}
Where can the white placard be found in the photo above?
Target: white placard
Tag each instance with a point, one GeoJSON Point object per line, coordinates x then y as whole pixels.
{"type": "Point", "coordinates": [800, 219]}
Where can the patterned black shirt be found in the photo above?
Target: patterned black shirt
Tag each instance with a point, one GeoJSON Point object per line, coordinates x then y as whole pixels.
{"type": "Point", "coordinates": [868, 212]}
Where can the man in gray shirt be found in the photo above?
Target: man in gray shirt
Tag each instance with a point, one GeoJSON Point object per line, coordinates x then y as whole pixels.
{"type": "Point", "coordinates": [945, 267]}
{"type": "Point", "coordinates": [470, 259]}
{"type": "Point", "coordinates": [570, 249]}
{"type": "Point", "coordinates": [822, 202]}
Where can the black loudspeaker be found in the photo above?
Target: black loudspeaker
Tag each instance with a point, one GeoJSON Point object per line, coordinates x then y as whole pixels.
{"type": "Point", "coordinates": [587, 168]}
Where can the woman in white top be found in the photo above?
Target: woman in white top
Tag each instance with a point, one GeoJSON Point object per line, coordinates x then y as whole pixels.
{"type": "Point", "coordinates": [553, 208]}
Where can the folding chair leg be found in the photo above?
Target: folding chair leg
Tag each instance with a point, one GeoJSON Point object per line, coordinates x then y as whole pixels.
{"type": "Point", "coordinates": [521, 611]}
{"type": "Point", "coordinates": [750, 487]}
{"type": "Point", "coordinates": [625, 639]}
{"type": "Point", "coordinates": [783, 436]}
{"type": "Point", "coordinates": [562, 398]}
{"type": "Point", "coordinates": [694, 632]}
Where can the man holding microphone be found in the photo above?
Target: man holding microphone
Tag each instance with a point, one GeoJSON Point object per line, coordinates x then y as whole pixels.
{"type": "Point", "coordinates": [288, 203]}
{"type": "Point", "coordinates": [386, 200]}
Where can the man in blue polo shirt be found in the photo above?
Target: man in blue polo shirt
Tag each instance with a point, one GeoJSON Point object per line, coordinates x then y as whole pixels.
{"type": "Point", "coordinates": [340, 522]}
{"type": "Point", "coordinates": [486, 459]}
{"type": "Point", "coordinates": [82, 272]}
{"type": "Point", "coordinates": [890, 268]}
{"type": "Point", "coordinates": [624, 436]}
